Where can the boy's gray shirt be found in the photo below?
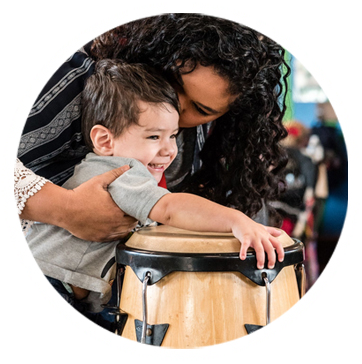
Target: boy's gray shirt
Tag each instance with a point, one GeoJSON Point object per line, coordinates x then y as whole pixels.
{"type": "Point", "coordinates": [91, 265]}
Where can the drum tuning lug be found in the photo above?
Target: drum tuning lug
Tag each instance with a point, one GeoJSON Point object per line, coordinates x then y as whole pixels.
{"type": "Point", "coordinates": [116, 311]}
{"type": "Point", "coordinates": [268, 296]}
{"type": "Point", "coordinates": [252, 328]}
{"type": "Point", "coordinates": [154, 333]}
{"type": "Point", "coordinates": [144, 304]}
{"type": "Point", "coordinates": [301, 278]}
{"type": "Point", "coordinates": [121, 321]}
{"type": "Point", "coordinates": [149, 334]}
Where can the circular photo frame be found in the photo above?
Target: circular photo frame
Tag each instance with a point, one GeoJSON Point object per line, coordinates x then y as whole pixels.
{"type": "Point", "coordinates": [313, 213]}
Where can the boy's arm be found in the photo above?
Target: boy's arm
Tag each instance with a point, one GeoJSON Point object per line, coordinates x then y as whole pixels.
{"type": "Point", "coordinates": [187, 211]}
{"type": "Point", "coordinates": [191, 212]}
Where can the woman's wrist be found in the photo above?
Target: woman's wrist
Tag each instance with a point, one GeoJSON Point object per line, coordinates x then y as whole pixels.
{"type": "Point", "coordinates": [88, 211]}
{"type": "Point", "coordinates": [49, 205]}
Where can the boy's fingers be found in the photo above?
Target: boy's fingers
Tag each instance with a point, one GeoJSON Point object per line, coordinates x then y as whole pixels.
{"type": "Point", "coordinates": [273, 231]}
{"type": "Point", "coordinates": [260, 255]}
{"type": "Point", "coordinates": [269, 250]}
{"type": "Point", "coordinates": [278, 247]}
{"type": "Point", "coordinates": [271, 260]}
{"type": "Point", "coordinates": [244, 248]}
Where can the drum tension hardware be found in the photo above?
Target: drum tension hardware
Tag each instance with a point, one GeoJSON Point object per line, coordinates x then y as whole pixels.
{"type": "Point", "coordinates": [150, 267]}
{"type": "Point", "coordinates": [301, 279]}
{"type": "Point", "coordinates": [268, 296]}
{"type": "Point", "coordinates": [300, 275]}
{"type": "Point", "coordinates": [144, 305]}
{"type": "Point", "coordinates": [251, 328]}
{"type": "Point", "coordinates": [154, 333]}
{"type": "Point", "coordinates": [146, 334]}
{"type": "Point", "coordinates": [121, 316]}
{"type": "Point", "coordinates": [160, 264]}
{"type": "Point", "coordinates": [150, 334]}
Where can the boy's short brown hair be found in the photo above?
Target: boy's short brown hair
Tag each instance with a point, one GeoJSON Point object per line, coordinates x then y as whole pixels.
{"type": "Point", "coordinates": [110, 96]}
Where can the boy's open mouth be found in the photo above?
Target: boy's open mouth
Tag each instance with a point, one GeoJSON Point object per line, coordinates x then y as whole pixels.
{"type": "Point", "coordinates": [156, 166]}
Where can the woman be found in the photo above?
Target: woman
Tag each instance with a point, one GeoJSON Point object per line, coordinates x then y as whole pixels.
{"type": "Point", "coordinates": [229, 81]}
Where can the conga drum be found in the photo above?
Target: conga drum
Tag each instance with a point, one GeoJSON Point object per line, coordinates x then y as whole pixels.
{"type": "Point", "coordinates": [184, 289]}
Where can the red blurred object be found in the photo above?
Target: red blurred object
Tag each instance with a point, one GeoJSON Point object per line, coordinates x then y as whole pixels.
{"type": "Point", "coordinates": [162, 183]}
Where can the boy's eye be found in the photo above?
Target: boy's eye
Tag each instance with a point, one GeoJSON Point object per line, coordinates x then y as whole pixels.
{"type": "Point", "coordinates": [153, 137]}
{"type": "Point", "coordinates": [173, 136]}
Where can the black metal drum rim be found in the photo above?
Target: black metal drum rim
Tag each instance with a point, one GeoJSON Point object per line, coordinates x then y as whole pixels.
{"type": "Point", "coordinates": [160, 264]}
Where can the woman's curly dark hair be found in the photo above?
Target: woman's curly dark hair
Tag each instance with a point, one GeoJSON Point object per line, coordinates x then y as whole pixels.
{"type": "Point", "coordinates": [241, 159]}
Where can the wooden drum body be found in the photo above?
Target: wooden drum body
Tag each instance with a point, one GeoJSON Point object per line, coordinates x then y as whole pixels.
{"type": "Point", "coordinates": [192, 289]}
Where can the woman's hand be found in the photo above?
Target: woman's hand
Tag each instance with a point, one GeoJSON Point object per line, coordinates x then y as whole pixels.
{"type": "Point", "coordinates": [93, 214]}
{"type": "Point", "coordinates": [88, 211]}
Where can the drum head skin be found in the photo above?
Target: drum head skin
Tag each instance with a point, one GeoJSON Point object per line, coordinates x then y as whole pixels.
{"type": "Point", "coordinates": [169, 239]}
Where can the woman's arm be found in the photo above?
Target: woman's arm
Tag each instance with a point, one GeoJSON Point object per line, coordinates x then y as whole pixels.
{"type": "Point", "coordinates": [87, 211]}
{"type": "Point", "coordinates": [192, 212]}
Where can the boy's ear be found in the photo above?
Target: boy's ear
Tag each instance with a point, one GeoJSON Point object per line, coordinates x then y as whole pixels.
{"type": "Point", "coordinates": [102, 140]}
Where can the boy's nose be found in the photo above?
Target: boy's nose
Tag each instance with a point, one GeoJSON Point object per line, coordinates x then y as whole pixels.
{"type": "Point", "coordinates": [168, 149]}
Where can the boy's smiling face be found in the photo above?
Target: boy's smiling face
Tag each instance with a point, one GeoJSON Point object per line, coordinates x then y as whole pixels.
{"type": "Point", "coordinates": [153, 141]}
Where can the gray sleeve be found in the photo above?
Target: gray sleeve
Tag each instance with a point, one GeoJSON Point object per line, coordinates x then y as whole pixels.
{"type": "Point", "coordinates": [136, 191]}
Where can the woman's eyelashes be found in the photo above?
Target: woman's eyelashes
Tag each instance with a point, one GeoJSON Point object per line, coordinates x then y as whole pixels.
{"type": "Point", "coordinates": [200, 111]}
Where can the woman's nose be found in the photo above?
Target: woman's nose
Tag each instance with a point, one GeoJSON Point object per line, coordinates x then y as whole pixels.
{"type": "Point", "coordinates": [182, 102]}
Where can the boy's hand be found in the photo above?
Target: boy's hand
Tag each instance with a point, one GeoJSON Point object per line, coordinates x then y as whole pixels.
{"type": "Point", "coordinates": [262, 239]}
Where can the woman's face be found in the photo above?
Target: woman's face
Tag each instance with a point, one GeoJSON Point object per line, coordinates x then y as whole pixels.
{"type": "Point", "coordinates": [203, 97]}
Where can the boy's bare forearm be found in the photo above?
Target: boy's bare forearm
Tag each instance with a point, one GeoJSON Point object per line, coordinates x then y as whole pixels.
{"type": "Point", "coordinates": [187, 211]}
{"type": "Point", "coordinates": [192, 212]}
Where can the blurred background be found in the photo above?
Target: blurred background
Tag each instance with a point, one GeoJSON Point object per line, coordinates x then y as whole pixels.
{"type": "Point", "coordinates": [314, 206]}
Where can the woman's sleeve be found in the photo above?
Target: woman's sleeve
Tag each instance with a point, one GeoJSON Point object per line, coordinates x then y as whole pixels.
{"type": "Point", "coordinates": [51, 143]}
{"type": "Point", "coordinates": [26, 184]}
